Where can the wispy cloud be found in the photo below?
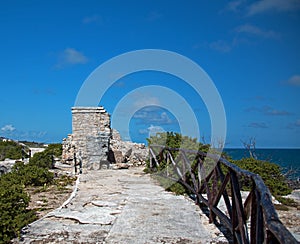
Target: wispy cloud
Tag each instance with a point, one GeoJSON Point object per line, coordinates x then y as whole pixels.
{"type": "Point", "coordinates": [267, 110]}
{"type": "Point", "coordinates": [153, 115]}
{"type": "Point", "coordinates": [234, 6]}
{"type": "Point", "coordinates": [92, 19]}
{"type": "Point", "coordinates": [243, 34]}
{"type": "Point", "coordinates": [48, 91]}
{"type": "Point", "coordinates": [154, 16]}
{"type": "Point", "coordinates": [143, 131]}
{"type": "Point", "coordinates": [11, 132]}
{"type": "Point", "coordinates": [275, 112]}
{"type": "Point", "coordinates": [221, 46]}
{"type": "Point", "coordinates": [294, 125]}
{"type": "Point", "coordinates": [29, 135]}
{"type": "Point", "coordinates": [263, 6]}
{"type": "Point", "coordinates": [256, 31]}
{"type": "Point", "coordinates": [260, 125]}
{"type": "Point", "coordinates": [151, 130]}
{"type": "Point", "coordinates": [8, 128]}
{"type": "Point", "coordinates": [293, 81]}
{"type": "Point", "coordinates": [70, 56]}
{"type": "Point", "coordinates": [142, 101]}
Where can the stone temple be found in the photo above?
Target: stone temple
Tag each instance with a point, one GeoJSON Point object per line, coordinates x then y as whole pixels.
{"type": "Point", "coordinates": [90, 136]}
{"type": "Point", "coordinates": [94, 141]}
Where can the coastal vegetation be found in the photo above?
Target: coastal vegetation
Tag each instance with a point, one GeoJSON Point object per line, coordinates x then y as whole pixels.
{"type": "Point", "coordinates": [10, 149]}
{"type": "Point", "coordinates": [269, 172]}
{"type": "Point", "coordinates": [14, 197]}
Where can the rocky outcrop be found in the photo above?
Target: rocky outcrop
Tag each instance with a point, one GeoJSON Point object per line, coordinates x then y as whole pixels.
{"type": "Point", "coordinates": [131, 153]}
{"type": "Point", "coordinates": [6, 165]}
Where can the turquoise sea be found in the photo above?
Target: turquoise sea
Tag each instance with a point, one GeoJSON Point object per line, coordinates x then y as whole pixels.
{"type": "Point", "coordinates": [286, 158]}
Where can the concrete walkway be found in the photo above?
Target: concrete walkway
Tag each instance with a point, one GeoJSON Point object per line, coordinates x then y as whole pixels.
{"type": "Point", "coordinates": [122, 206]}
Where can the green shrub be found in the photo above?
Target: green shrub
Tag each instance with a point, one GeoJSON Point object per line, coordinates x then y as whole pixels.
{"type": "Point", "coordinates": [42, 160]}
{"type": "Point", "coordinates": [170, 185]}
{"type": "Point", "coordinates": [54, 149]}
{"type": "Point", "coordinates": [31, 174]}
{"type": "Point", "coordinates": [13, 198]}
{"type": "Point", "coordinates": [45, 159]}
{"type": "Point", "coordinates": [13, 204]}
{"type": "Point", "coordinates": [281, 207]}
{"type": "Point", "coordinates": [269, 172]}
{"type": "Point", "coordinates": [10, 149]}
{"type": "Point", "coordinates": [287, 201]}
{"type": "Point", "coordinates": [173, 140]}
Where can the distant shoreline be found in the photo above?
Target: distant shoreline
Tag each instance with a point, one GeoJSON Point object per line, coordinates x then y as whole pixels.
{"type": "Point", "coordinates": [286, 158]}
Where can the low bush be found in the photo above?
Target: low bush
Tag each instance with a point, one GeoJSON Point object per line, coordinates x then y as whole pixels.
{"type": "Point", "coordinates": [269, 172]}
{"type": "Point", "coordinates": [14, 200]}
{"type": "Point", "coordinates": [45, 159]}
{"type": "Point", "coordinates": [13, 204]}
{"type": "Point", "coordinates": [287, 201]}
{"type": "Point", "coordinates": [10, 149]}
{"type": "Point", "coordinates": [31, 174]}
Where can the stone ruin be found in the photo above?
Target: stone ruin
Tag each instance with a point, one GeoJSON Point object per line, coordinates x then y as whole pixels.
{"type": "Point", "coordinates": [97, 144]}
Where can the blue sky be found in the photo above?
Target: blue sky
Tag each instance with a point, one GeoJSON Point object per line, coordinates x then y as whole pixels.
{"type": "Point", "coordinates": [250, 50]}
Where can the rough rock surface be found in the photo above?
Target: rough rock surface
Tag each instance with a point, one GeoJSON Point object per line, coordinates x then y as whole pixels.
{"type": "Point", "coordinates": [94, 141]}
{"type": "Point", "coordinates": [123, 206]}
{"type": "Point", "coordinates": [90, 135]}
{"type": "Point", "coordinates": [6, 165]}
{"type": "Point", "coordinates": [135, 154]}
{"type": "Point", "coordinates": [291, 218]}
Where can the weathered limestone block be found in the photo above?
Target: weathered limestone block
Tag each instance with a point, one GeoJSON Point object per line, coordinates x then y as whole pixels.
{"type": "Point", "coordinates": [128, 152]}
{"type": "Point", "coordinates": [68, 148]}
{"type": "Point", "coordinates": [97, 143]}
{"type": "Point", "coordinates": [90, 135]}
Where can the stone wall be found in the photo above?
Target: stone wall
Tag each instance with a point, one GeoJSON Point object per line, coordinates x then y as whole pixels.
{"type": "Point", "coordinates": [90, 136]}
{"type": "Point", "coordinates": [97, 144]}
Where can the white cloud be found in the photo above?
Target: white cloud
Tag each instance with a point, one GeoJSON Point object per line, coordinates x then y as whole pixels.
{"type": "Point", "coordinates": [221, 46]}
{"type": "Point", "coordinates": [263, 6]}
{"type": "Point", "coordinates": [71, 56]}
{"type": "Point", "coordinates": [142, 101]}
{"type": "Point", "coordinates": [294, 80]}
{"type": "Point", "coordinates": [143, 131]}
{"type": "Point", "coordinates": [8, 128]}
{"type": "Point", "coordinates": [275, 112]}
{"type": "Point", "coordinates": [248, 30]}
{"type": "Point", "coordinates": [153, 129]}
{"type": "Point", "coordinates": [260, 125]}
{"type": "Point", "coordinates": [267, 110]}
{"type": "Point", "coordinates": [153, 115]}
{"type": "Point", "coordinates": [12, 133]}
{"type": "Point", "coordinates": [254, 30]}
{"type": "Point", "coordinates": [234, 6]}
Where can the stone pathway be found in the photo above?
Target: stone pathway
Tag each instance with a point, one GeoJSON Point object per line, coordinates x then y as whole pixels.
{"type": "Point", "coordinates": [122, 206]}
